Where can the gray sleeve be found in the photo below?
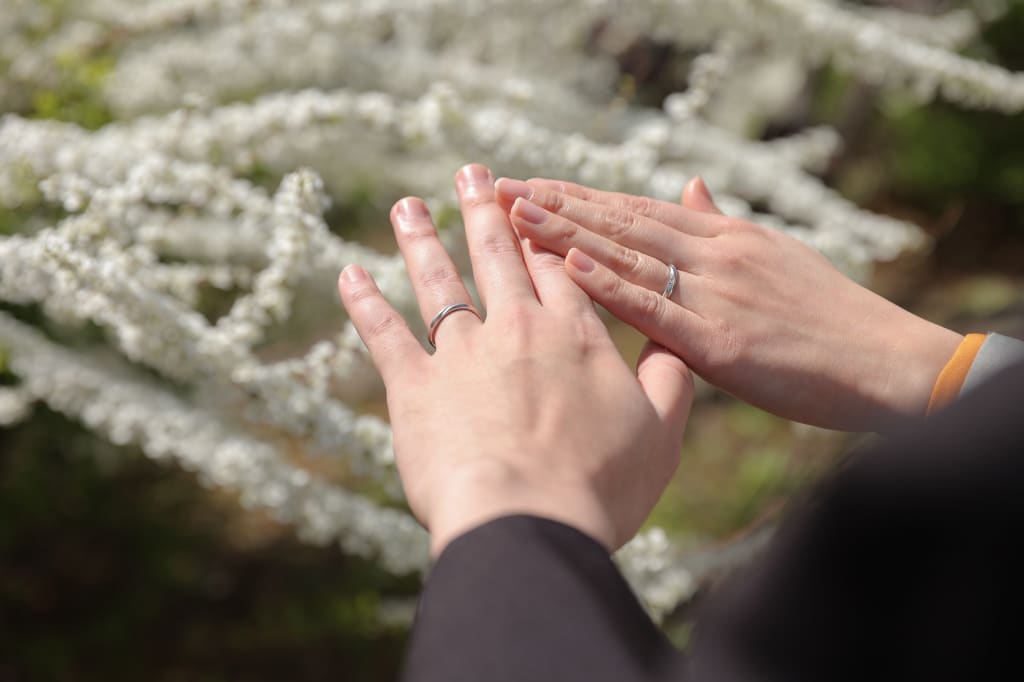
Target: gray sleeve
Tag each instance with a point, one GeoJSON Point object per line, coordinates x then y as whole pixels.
{"type": "Point", "coordinates": [996, 354]}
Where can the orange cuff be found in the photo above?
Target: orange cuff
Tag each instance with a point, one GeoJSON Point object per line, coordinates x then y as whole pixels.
{"type": "Point", "coordinates": [951, 378]}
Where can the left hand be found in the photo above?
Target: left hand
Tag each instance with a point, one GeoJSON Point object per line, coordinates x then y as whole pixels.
{"type": "Point", "coordinates": [755, 312]}
{"type": "Point", "coordinates": [531, 410]}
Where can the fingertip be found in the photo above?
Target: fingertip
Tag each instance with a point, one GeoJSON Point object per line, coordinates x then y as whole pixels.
{"type": "Point", "coordinates": [579, 261]}
{"type": "Point", "coordinates": [474, 179]}
{"type": "Point", "coordinates": [508, 190]}
{"type": "Point", "coordinates": [351, 275]}
{"type": "Point", "coordinates": [528, 213]}
{"type": "Point", "coordinates": [668, 382]}
{"type": "Point", "coordinates": [697, 197]}
{"type": "Point", "coordinates": [410, 207]}
{"type": "Point", "coordinates": [655, 354]}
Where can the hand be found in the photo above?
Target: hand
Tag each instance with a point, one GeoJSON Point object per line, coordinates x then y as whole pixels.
{"type": "Point", "coordinates": [755, 312]}
{"type": "Point", "coordinates": [530, 411]}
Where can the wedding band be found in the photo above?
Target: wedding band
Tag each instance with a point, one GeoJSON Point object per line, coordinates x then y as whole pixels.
{"type": "Point", "coordinates": [673, 280]}
{"type": "Point", "coordinates": [445, 312]}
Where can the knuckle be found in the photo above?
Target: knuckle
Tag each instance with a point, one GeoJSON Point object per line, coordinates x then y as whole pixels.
{"type": "Point", "coordinates": [439, 276]}
{"type": "Point", "coordinates": [626, 261]}
{"type": "Point", "coordinates": [610, 289]}
{"type": "Point", "coordinates": [635, 204]}
{"type": "Point", "coordinates": [579, 191]}
{"type": "Point", "coordinates": [384, 326]}
{"type": "Point", "coordinates": [619, 223]}
{"type": "Point", "coordinates": [552, 201]}
{"type": "Point", "coordinates": [497, 245]}
{"type": "Point", "coordinates": [649, 305]}
{"type": "Point", "coordinates": [567, 230]}
{"type": "Point", "coordinates": [362, 295]}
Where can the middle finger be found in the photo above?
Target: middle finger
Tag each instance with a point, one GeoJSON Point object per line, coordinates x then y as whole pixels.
{"type": "Point", "coordinates": [498, 266]}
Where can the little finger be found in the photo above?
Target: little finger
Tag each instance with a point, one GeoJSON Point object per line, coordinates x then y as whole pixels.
{"type": "Point", "coordinates": [392, 345]}
{"type": "Point", "coordinates": [652, 314]}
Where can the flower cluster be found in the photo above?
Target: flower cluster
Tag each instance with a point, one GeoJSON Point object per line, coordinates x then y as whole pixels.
{"type": "Point", "coordinates": [137, 225]}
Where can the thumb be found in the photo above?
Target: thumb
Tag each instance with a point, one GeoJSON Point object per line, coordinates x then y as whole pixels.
{"type": "Point", "coordinates": [668, 383]}
{"type": "Point", "coordinates": [696, 197]}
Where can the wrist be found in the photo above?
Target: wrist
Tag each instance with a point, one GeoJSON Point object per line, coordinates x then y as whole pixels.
{"type": "Point", "coordinates": [488, 489]}
{"type": "Point", "coordinates": [918, 359]}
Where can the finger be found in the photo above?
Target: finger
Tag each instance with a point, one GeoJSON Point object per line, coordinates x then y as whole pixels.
{"type": "Point", "coordinates": [553, 286]}
{"type": "Point", "coordinates": [559, 234]}
{"type": "Point", "coordinates": [624, 226]}
{"type": "Point", "coordinates": [668, 383]}
{"type": "Point", "coordinates": [498, 266]}
{"type": "Point", "coordinates": [435, 279]}
{"type": "Point", "coordinates": [652, 314]}
{"type": "Point", "coordinates": [392, 345]}
{"type": "Point", "coordinates": [696, 197]}
{"type": "Point", "coordinates": [617, 205]}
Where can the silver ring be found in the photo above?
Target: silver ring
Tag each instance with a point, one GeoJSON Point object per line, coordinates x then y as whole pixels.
{"type": "Point", "coordinates": [445, 312]}
{"type": "Point", "coordinates": [673, 280]}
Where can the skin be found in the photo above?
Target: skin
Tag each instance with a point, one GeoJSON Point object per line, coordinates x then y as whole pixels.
{"type": "Point", "coordinates": [531, 411]}
{"type": "Point", "coordinates": [755, 312]}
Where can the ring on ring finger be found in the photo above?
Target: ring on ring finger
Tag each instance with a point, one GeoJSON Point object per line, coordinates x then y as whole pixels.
{"type": "Point", "coordinates": [673, 281]}
{"type": "Point", "coordinates": [442, 314]}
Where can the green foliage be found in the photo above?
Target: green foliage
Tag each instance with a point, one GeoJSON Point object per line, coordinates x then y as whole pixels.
{"type": "Point", "coordinates": [931, 155]}
{"type": "Point", "coordinates": [79, 96]}
{"type": "Point", "coordinates": [112, 567]}
{"type": "Point", "coordinates": [738, 463]}
{"type": "Point", "coordinates": [940, 151]}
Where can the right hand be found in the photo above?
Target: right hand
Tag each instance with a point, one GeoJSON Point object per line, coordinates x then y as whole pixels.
{"type": "Point", "coordinates": [530, 411]}
{"type": "Point", "coordinates": [756, 312]}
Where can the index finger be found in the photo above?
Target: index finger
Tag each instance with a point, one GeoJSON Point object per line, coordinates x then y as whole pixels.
{"type": "Point", "coordinates": [623, 226]}
{"type": "Point", "coordinates": [675, 216]}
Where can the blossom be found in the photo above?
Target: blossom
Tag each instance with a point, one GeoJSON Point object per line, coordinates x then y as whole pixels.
{"type": "Point", "coordinates": [217, 102]}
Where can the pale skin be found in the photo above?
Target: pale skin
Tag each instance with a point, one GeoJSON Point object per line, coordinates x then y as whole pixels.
{"type": "Point", "coordinates": [755, 312]}
{"type": "Point", "coordinates": [532, 411]}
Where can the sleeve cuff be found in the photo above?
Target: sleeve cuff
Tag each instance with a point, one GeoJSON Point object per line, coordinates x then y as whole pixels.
{"type": "Point", "coordinates": [977, 359]}
{"type": "Point", "coordinates": [951, 378]}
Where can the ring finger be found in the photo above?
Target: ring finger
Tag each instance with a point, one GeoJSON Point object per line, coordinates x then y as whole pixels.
{"type": "Point", "coordinates": [435, 279]}
{"type": "Point", "coordinates": [560, 234]}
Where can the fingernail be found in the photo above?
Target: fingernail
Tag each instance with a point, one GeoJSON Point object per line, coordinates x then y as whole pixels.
{"type": "Point", "coordinates": [529, 211]}
{"type": "Point", "coordinates": [474, 175]}
{"type": "Point", "coordinates": [510, 190]}
{"type": "Point", "coordinates": [354, 274]}
{"type": "Point", "coordinates": [580, 261]}
{"type": "Point", "coordinates": [702, 187]}
{"type": "Point", "coordinates": [411, 207]}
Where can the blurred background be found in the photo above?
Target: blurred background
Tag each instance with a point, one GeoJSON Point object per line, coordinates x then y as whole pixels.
{"type": "Point", "coordinates": [115, 567]}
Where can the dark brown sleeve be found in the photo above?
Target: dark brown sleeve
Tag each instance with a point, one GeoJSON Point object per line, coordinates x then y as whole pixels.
{"type": "Point", "coordinates": [904, 565]}
{"type": "Point", "coordinates": [524, 598]}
